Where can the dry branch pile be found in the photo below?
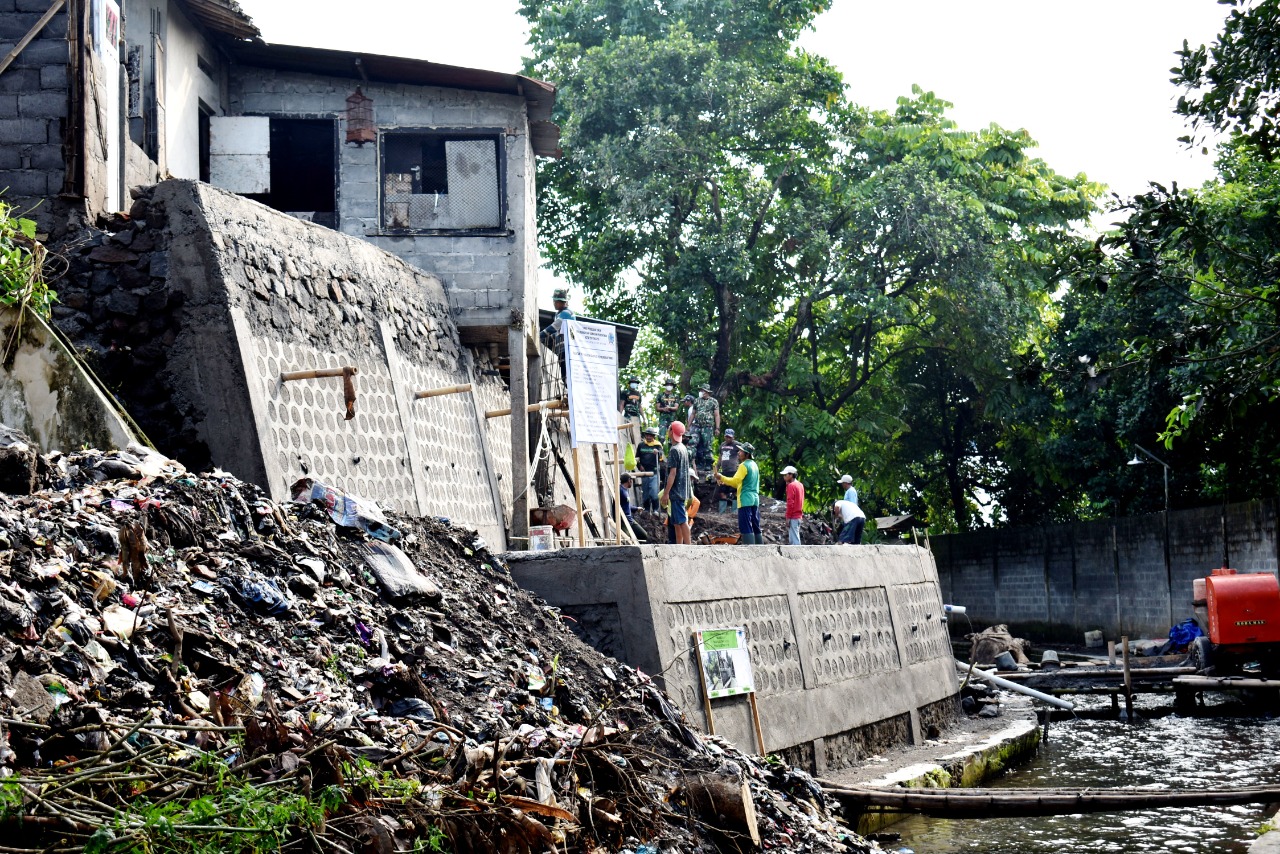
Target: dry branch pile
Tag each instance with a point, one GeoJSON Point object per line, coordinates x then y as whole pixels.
{"type": "Point", "coordinates": [188, 666]}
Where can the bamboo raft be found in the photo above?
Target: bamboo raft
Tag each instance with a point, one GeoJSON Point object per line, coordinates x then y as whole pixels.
{"type": "Point", "coordinates": [1000, 803]}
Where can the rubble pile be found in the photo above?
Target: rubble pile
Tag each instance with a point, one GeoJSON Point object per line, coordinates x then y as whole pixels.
{"type": "Point", "coordinates": [188, 666]}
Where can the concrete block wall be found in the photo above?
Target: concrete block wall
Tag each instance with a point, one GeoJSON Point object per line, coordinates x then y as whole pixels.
{"type": "Point", "coordinates": [35, 102]}
{"type": "Point", "coordinates": [486, 276]}
{"type": "Point", "coordinates": [847, 644]}
{"type": "Point", "coordinates": [255, 293]}
{"type": "Point", "coordinates": [1113, 575]}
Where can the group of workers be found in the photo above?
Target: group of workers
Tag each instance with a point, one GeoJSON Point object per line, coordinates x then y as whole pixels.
{"type": "Point", "coordinates": [663, 477]}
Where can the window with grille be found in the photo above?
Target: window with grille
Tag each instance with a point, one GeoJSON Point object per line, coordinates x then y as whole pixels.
{"type": "Point", "coordinates": [439, 181]}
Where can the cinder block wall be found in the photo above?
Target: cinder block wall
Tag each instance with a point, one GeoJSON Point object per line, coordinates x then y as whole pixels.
{"type": "Point", "coordinates": [1063, 580]}
{"type": "Point", "coordinates": [486, 276]}
{"type": "Point", "coordinates": [35, 98]}
{"type": "Point", "coordinates": [848, 647]}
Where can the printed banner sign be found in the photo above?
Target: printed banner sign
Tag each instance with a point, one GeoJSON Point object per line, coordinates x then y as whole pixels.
{"type": "Point", "coordinates": [726, 662]}
{"type": "Point", "coordinates": [592, 353]}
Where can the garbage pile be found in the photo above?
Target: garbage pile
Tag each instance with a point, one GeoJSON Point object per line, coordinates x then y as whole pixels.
{"type": "Point", "coordinates": [188, 666]}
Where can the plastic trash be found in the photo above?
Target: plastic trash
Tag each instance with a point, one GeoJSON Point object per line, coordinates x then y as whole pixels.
{"type": "Point", "coordinates": [397, 575]}
{"type": "Point", "coordinates": [258, 593]}
{"type": "Point", "coordinates": [345, 509]}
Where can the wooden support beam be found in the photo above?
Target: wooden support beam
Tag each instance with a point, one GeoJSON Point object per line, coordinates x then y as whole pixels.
{"type": "Point", "coordinates": [437, 392]}
{"type": "Point", "coordinates": [31, 34]}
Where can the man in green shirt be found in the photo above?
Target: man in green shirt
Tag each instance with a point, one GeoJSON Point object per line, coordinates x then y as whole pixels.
{"type": "Point", "coordinates": [666, 403]}
{"type": "Point", "coordinates": [747, 481]}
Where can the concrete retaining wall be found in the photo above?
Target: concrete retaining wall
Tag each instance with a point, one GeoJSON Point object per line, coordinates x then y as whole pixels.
{"type": "Point", "coordinates": [1116, 575]}
{"type": "Point", "coordinates": [848, 648]}
{"type": "Point", "coordinates": [197, 305]}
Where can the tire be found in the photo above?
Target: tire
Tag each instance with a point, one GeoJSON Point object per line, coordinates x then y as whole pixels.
{"type": "Point", "coordinates": [1202, 654]}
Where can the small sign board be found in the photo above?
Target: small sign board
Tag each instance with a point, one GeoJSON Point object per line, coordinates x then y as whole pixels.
{"type": "Point", "coordinates": [592, 353]}
{"type": "Point", "coordinates": [726, 662]}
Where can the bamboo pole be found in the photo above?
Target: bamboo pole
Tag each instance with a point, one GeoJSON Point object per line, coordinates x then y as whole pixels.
{"type": "Point", "coordinates": [577, 494]}
{"type": "Point", "coordinates": [31, 34]}
{"type": "Point", "coordinates": [601, 493]}
{"type": "Point", "coordinates": [617, 477]}
{"type": "Point", "coordinates": [437, 392]}
{"type": "Point", "coordinates": [1128, 682]}
{"type": "Point", "coordinates": [317, 373]}
{"type": "Point", "coordinates": [702, 678]}
{"type": "Point", "coordinates": [533, 407]}
{"type": "Point", "coordinates": [755, 720]}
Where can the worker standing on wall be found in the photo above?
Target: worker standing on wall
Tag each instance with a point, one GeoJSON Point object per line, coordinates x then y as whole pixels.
{"type": "Point", "coordinates": [649, 462]}
{"type": "Point", "coordinates": [666, 404]}
{"type": "Point", "coordinates": [552, 335]}
{"type": "Point", "coordinates": [747, 481]}
{"type": "Point", "coordinates": [678, 490]}
{"type": "Point", "coordinates": [631, 407]}
{"type": "Point", "coordinates": [728, 468]}
{"type": "Point", "coordinates": [706, 424]}
{"type": "Point", "coordinates": [795, 505]}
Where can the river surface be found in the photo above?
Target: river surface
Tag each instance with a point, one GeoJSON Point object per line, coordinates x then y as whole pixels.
{"type": "Point", "coordinates": [1158, 751]}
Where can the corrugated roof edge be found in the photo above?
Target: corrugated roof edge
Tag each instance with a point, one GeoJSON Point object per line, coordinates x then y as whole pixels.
{"type": "Point", "coordinates": [539, 96]}
{"type": "Point", "coordinates": [222, 16]}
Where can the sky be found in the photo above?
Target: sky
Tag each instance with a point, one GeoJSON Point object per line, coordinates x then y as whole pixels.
{"type": "Point", "coordinates": [1088, 79]}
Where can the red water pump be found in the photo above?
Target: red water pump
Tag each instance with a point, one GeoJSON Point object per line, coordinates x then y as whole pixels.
{"type": "Point", "coordinates": [1240, 612]}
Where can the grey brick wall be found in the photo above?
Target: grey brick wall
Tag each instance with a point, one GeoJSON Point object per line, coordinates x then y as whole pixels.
{"type": "Point", "coordinates": [1114, 575]}
{"type": "Point", "coordinates": [34, 105]}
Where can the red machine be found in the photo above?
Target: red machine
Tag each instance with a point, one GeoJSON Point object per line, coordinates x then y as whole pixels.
{"type": "Point", "coordinates": [1241, 613]}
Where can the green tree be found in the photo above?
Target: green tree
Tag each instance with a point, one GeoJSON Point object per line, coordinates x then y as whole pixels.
{"type": "Point", "coordinates": [1234, 86]}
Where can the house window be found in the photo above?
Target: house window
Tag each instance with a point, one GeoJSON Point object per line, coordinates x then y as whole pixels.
{"type": "Point", "coordinates": [441, 181]}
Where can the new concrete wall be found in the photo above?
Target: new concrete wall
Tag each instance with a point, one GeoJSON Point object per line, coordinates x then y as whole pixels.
{"type": "Point", "coordinates": [848, 648]}
{"type": "Point", "coordinates": [1115, 575]}
{"type": "Point", "coordinates": [204, 298]}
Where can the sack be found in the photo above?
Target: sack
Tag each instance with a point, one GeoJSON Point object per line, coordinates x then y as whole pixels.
{"type": "Point", "coordinates": [629, 457]}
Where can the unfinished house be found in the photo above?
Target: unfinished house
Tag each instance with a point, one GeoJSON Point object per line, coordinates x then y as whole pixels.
{"type": "Point", "coordinates": [430, 162]}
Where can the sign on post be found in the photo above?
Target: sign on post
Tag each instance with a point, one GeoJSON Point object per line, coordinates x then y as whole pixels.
{"type": "Point", "coordinates": [591, 350]}
{"type": "Point", "coordinates": [726, 662]}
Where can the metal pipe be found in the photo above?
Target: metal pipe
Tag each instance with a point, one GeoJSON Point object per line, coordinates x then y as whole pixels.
{"type": "Point", "coordinates": [1014, 686]}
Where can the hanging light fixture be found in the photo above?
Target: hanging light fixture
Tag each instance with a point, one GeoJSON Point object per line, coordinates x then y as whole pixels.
{"type": "Point", "coordinates": [360, 127]}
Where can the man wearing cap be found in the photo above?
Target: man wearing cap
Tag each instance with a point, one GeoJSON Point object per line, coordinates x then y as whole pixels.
{"type": "Point", "coordinates": [850, 494]}
{"type": "Point", "coordinates": [706, 423]}
{"type": "Point", "coordinates": [850, 520]}
{"type": "Point", "coordinates": [795, 505]}
{"type": "Point", "coordinates": [665, 404]}
{"type": "Point", "coordinates": [649, 461]}
{"type": "Point", "coordinates": [678, 490]}
{"type": "Point", "coordinates": [728, 468]}
{"type": "Point", "coordinates": [631, 407]}
{"type": "Point", "coordinates": [747, 481]}
{"type": "Point", "coordinates": [552, 336]}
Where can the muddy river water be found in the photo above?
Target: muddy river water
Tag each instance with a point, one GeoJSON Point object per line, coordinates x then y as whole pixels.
{"type": "Point", "coordinates": [1158, 751]}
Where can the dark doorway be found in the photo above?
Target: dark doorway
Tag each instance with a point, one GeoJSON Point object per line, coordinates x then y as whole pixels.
{"type": "Point", "coordinates": [304, 169]}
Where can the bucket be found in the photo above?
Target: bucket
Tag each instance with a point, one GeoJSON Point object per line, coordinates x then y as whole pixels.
{"type": "Point", "coordinates": [541, 538]}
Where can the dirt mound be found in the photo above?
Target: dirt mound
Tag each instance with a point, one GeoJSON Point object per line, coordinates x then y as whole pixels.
{"type": "Point", "coordinates": [814, 530]}
{"type": "Point", "coordinates": [188, 666]}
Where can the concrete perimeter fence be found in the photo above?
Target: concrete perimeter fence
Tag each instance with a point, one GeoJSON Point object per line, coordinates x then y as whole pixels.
{"type": "Point", "coordinates": [1124, 576]}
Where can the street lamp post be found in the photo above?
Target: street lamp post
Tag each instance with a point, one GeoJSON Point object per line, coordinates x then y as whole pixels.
{"type": "Point", "coordinates": [1168, 563]}
{"type": "Point", "coordinates": [1137, 461]}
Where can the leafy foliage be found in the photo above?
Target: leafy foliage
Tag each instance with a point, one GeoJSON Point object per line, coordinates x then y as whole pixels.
{"type": "Point", "coordinates": [801, 254]}
{"type": "Point", "coordinates": [21, 264]}
{"type": "Point", "coordinates": [1234, 86]}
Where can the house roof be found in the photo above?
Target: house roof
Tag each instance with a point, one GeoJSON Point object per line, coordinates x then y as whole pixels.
{"type": "Point", "coordinates": [222, 16]}
{"type": "Point", "coordinates": [539, 97]}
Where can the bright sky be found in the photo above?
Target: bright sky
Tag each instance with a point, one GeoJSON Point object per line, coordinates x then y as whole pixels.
{"type": "Point", "coordinates": [1089, 79]}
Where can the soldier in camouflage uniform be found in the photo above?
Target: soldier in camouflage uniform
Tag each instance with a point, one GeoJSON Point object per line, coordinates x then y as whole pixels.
{"type": "Point", "coordinates": [706, 425]}
{"type": "Point", "coordinates": [631, 407]}
{"type": "Point", "coordinates": [666, 404]}
{"type": "Point", "coordinates": [690, 436]}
